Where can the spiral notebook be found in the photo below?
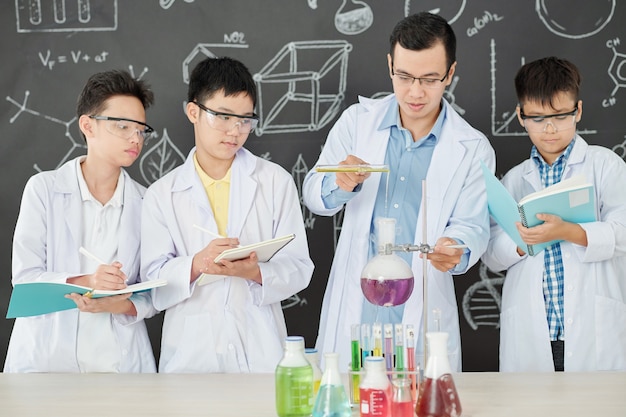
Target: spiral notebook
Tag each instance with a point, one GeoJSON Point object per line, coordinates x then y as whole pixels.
{"type": "Point", "coordinates": [264, 250]}
{"type": "Point", "coordinates": [572, 199]}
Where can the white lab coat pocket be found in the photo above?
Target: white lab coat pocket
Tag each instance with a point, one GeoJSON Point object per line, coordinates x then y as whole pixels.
{"type": "Point", "coordinates": [191, 354]}
{"type": "Point", "coordinates": [30, 338]}
{"type": "Point", "coordinates": [610, 319]}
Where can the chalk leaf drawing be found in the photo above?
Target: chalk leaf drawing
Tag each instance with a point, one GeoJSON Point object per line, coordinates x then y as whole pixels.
{"type": "Point", "coordinates": [160, 159]}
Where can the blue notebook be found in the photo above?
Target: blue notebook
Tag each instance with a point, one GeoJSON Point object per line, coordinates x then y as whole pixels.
{"type": "Point", "coordinates": [35, 298]}
{"type": "Point", "coordinates": [572, 199]}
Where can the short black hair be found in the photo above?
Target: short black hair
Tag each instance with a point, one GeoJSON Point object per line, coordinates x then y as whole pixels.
{"type": "Point", "coordinates": [220, 74]}
{"type": "Point", "coordinates": [541, 80]}
{"type": "Point", "coordinates": [422, 31]}
{"type": "Point", "coordinates": [103, 85]}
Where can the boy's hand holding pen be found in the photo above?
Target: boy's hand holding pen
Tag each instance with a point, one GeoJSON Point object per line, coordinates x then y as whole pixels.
{"type": "Point", "coordinates": [106, 277]}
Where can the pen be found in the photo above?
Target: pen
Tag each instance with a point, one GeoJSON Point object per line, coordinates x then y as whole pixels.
{"type": "Point", "coordinates": [456, 246]}
{"type": "Point", "coordinates": [356, 362]}
{"type": "Point", "coordinates": [94, 258]}
{"type": "Point", "coordinates": [388, 329]}
{"type": "Point", "coordinates": [377, 334]}
{"type": "Point", "coordinates": [91, 256]}
{"type": "Point", "coordinates": [215, 235]}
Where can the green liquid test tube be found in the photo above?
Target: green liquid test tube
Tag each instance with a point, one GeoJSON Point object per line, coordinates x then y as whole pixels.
{"type": "Point", "coordinates": [399, 365]}
{"type": "Point", "coordinates": [356, 363]}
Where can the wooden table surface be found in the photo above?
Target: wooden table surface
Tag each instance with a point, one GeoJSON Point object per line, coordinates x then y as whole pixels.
{"type": "Point", "coordinates": [488, 394]}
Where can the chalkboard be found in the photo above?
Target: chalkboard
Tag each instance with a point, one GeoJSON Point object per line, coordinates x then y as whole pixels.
{"type": "Point", "coordinates": [310, 59]}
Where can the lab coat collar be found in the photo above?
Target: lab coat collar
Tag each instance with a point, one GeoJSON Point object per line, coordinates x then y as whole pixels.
{"type": "Point", "coordinates": [577, 156]}
{"type": "Point", "coordinates": [66, 183]}
{"type": "Point", "coordinates": [243, 188]}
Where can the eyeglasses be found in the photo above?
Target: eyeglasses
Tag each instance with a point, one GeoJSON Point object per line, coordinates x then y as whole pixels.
{"type": "Point", "coordinates": [125, 128]}
{"type": "Point", "coordinates": [539, 124]}
{"type": "Point", "coordinates": [407, 80]}
{"type": "Point", "coordinates": [224, 121]}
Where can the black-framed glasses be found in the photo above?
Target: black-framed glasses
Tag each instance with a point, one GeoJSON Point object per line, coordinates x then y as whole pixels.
{"type": "Point", "coordinates": [225, 122]}
{"type": "Point", "coordinates": [560, 121]}
{"type": "Point", "coordinates": [125, 128]}
{"type": "Point", "coordinates": [408, 80]}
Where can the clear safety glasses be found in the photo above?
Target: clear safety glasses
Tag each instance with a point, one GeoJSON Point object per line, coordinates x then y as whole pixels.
{"type": "Point", "coordinates": [559, 122]}
{"type": "Point", "coordinates": [225, 122]}
{"type": "Point", "coordinates": [125, 128]}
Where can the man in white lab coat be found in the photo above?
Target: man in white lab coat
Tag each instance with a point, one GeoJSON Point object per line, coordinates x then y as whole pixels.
{"type": "Point", "coordinates": [419, 136]}
{"type": "Point", "coordinates": [563, 309]}
{"type": "Point", "coordinates": [91, 202]}
{"type": "Point", "coordinates": [225, 316]}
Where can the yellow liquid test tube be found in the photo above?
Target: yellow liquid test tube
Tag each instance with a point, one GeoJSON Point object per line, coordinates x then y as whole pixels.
{"type": "Point", "coordinates": [352, 168]}
{"type": "Point", "coordinates": [377, 334]}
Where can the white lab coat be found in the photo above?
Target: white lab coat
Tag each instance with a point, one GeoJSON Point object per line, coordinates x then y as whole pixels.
{"type": "Point", "coordinates": [45, 248]}
{"type": "Point", "coordinates": [595, 276]}
{"type": "Point", "coordinates": [456, 207]}
{"type": "Point", "coordinates": [234, 324]}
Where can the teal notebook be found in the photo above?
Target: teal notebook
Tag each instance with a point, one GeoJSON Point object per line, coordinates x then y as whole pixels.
{"type": "Point", "coordinates": [572, 199]}
{"type": "Point", "coordinates": [35, 298]}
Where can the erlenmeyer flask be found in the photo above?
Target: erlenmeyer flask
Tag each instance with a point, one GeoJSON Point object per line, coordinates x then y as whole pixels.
{"type": "Point", "coordinates": [437, 394]}
{"type": "Point", "coordinates": [387, 280]}
{"type": "Point", "coordinates": [332, 400]}
{"type": "Point", "coordinates": [353, 18]}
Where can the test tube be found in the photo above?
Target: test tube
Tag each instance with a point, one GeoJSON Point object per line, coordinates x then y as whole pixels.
{"type": "Point", "coordinates": [377, 334]}
{"type": "Point", "coordinates": [437, 319]}
{"type": "Point", "coordinates": [410, 359]}
{"type": "Point", "coordinates": [399, 365]}
{"type": "Point", "coordinates": [388, 333]}
{"type": "Point", "coordinates": [365, 342]}
{"type": "Point", "coordinates": [356, 362]}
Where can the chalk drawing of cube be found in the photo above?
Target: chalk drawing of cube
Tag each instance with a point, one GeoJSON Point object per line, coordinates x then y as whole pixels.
{"type": "Point", "coordinates": [66, 15]}
{"type": "Point", "coordinates": [302, 87]}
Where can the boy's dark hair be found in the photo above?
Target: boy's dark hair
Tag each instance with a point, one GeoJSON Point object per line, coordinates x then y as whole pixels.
{"type": "Point", "coordinates": [220, 74]}
{"type": "Point", "coordinates": [103, 85]}
{"type": "Point", "coordinates": [422, 31]}
{"type": "Point", "coordinates": [541, 80]}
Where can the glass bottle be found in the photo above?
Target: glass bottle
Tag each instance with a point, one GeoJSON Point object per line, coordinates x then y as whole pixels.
{"type": "Point", "coordinates": [375, 389]}
{"type": "Point", "coordinates": [387, 280]}
{"type": "Point", "coordinates": [294, 381]}
{"type": "Point", "coordinates": [437, 394]}
{"type": "Point", "coordinates": [311, 356]}
{"type": "Point", "coordinates": [402, 401]}
{"type": "Point", "coordinates": [332, 400]}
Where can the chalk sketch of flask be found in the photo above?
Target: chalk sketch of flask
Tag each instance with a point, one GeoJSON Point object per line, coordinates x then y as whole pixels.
{"type": "Point", "coordinates": [353, 18]}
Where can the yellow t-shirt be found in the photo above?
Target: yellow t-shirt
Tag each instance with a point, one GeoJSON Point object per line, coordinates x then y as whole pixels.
{"type": "Point", "coordinates": [218, 192]}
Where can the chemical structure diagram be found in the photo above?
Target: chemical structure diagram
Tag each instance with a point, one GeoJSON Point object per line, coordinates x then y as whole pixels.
{"type": "Point", "coordinates": [75, 144]}
{"type": "Point", "coordinates": [616, 71]}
